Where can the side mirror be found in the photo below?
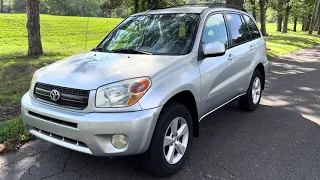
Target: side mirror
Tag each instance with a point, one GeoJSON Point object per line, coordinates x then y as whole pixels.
{"type": "Point", "coordinates": [212, 49]}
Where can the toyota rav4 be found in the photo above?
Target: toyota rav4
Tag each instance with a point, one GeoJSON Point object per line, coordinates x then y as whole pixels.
{"type": "Point", "coordinates": [147, 85]}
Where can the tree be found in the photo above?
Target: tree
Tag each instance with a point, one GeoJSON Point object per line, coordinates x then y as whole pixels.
{"type": "Point", "coordinates": [280, 18]}
{"type": "Point", "coordinates": [238, 3]}
{"type": "Point", "coordinates": [136, 6]}
{"type": "Point", "coordinates": [109, 5]}
{"type": "Point", "coordinates": [33, 26]}
{"type": "Point", "coordinates": [319, 25]}
{"type": "Point", "coordinates": [254, 9]}
{"type": "Point", "coordinates": [314, 16]}
{"type": "Point", "coordinates": [19, 6]}
{"type": "Point", "coordinates": [72, 7]}
{"type": "Point", "coordinates": [1, 6]}
{"type": "Point", "coordinates": [286, 17]}
{"type": "Point", "coordinates": [295, 23]}
{"type": "Point", "coordinates": [262, 5]}
{"type": "Point", "coordinates": [298, 12]}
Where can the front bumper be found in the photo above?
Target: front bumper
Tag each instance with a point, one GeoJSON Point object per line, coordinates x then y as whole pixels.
{"type": "Point", "coordinates": [266, 66]}
{"type": "Point", "coordinates": [89, 132]}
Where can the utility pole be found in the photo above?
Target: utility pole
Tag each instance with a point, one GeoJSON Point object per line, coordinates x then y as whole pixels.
{"type": "Point", "coordinates": [314, 16]}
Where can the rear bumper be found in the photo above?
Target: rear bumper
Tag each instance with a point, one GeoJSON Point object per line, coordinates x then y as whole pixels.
{"type": "Point", "coordinates": [89, 132]}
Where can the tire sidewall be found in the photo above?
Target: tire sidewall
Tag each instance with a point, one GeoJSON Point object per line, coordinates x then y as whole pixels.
{"type": "Point", "coordinates": [250, 99]}
{"type": "Point", "coordinates": [169, 114]}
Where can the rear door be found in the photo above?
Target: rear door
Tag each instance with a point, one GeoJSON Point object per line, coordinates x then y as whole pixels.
{"type": "Point", "coordinates": [257, 44]}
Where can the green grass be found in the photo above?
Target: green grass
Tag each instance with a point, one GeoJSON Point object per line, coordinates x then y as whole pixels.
{"type": "Point", "coordinates": [65, 36]}
{"type": "Point", "coordinates": [10, 129]}
{"type": "Point", "coordinates": [12, 134]}
{"type": "Point", "coordinates": [282, 43]}
{"type": "Point", "coordinates": [60, 35]}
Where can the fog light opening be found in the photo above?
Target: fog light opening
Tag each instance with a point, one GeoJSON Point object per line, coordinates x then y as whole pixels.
{"type": "Point", "coordinates": [119, 141]}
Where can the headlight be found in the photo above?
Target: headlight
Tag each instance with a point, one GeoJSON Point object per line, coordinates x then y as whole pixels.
{"type": "Point", "coordinates": [33, 82]}
{"type": "Point", "coordinates": [123, 93]}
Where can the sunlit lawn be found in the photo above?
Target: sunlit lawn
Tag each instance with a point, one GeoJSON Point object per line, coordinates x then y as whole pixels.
{"type": "Point", "coordinates": [280, 43]}
{"type": "Point", "coordinates": [64, 36]}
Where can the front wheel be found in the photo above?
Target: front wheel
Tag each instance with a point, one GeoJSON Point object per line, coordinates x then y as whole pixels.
{"type": "Point", "coordinates": [251, 100]}
{"type": "Point", "coordinates": [171, 141]}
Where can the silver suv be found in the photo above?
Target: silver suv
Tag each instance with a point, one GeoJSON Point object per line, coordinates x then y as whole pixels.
{"type": "Point", "coordinates": [145, 88]}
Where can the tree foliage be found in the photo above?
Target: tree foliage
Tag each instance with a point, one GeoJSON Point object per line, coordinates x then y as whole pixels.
{"type": "Point", "coordinates": [73, 7]}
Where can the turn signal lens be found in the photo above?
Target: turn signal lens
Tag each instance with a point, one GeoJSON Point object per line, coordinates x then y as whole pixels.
{"type": "Point", "coordinates": [140, 86]}
{"type": "Point", "coordinates": [137, 89]}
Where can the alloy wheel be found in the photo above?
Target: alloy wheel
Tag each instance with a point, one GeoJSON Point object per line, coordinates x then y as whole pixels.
{"type": "Point", "coordinates": [256, 90]}
{"type": "Point", "coordinates": [176, 140]}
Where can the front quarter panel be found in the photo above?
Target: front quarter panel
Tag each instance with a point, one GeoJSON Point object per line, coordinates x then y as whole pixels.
{"type": "Point", "coordinates": [181, 76]}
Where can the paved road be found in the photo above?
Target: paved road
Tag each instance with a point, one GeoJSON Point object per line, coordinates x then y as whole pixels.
{"type": "Point", "coordinates": [281, 140]}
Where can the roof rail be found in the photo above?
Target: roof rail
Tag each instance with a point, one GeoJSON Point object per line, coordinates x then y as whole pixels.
{"type": "Point", "coordinates": [208, 4]}
{"type": "Point", "coordinates": [216, 5]}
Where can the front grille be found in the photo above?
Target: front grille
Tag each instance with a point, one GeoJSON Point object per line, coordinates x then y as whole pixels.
{"type": "Point", "coordinates": [65, 123]}
{"type": "Point", "coordinates": [69, 97]}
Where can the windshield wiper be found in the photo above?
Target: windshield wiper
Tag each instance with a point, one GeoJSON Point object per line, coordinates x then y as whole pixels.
{"type": "Point", "coordinates": [101, 49]}
{"type": "Point", "coordinates": [129, 51]}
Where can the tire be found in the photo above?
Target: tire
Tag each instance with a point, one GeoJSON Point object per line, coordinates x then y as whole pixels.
{"type": "Point", "coordinates": [154, 160]}
{"type": "Point", "coordinates": [248, 102]}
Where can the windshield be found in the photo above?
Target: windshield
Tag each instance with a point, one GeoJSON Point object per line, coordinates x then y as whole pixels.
{"type": "Point", "coordinates": [172, 34]}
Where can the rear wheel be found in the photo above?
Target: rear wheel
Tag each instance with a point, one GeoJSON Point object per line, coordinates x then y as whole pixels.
{"type": "Point", "coordinates": [251, 100]}
{"type": "Point", "coordinates": [171, 141]}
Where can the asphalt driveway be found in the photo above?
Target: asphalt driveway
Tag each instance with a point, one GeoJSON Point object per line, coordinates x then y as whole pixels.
{"type": "Point", "coordinates": [281, 140]}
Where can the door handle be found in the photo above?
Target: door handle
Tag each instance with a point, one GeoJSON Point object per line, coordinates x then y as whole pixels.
{"type": "Point", "coordinates": [231, 57]}
{"type": "Point", "coordinates": [252, 47]}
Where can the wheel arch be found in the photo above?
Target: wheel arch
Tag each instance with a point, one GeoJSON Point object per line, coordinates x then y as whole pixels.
{"type": "Point", "coordinates": [187, 99]}
{"type": "Point", "coordinates": [260, 68]}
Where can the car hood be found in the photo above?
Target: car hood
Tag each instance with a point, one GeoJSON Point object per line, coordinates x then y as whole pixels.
{"type": "Point", "coordinates": [94, 69]}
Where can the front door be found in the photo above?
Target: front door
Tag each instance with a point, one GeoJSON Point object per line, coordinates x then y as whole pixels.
{"type": "Point", "coordinates": [214, 70]}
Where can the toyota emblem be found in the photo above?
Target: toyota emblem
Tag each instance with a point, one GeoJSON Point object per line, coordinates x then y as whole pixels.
{"type": "Point", "coordinates": [55, 95]}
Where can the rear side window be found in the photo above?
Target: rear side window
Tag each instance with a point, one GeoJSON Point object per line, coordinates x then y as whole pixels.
{"type": "Point", "coordinates": [215, 30]}
{"type": "Point", "coordinates": [238, 29]}
{"type": "Point", "coordinates": [254, 31]}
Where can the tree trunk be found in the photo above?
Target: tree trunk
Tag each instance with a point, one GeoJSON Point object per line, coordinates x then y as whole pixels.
{"type": "Point", "coordinates": [286, 19]}
{"type": "Point", "coordinates": [33, 26]}
{"type": "Point", "coordinates": [280, 18]}
{"type": "Point", "coordinates": [254, 9]}
{"type": "Point", "coordinates": [304, 25]}
{"type": "Point", "coordinates": [238, 3]}
{"type": "Point", "coordinates": [279, 26]}
{"type": "Point", "coordinates": [318, 23]}
{"type": "Point", "coordinates": [314, 16]}
{"type": "Point", "coordinates": [262, 4]}
{"type": "Point", "coordinates": [295, 22]}
{"type": "Point", "coordinates": [1, 6]}
{"type": "Point", "coordinates": [307, 25]}
{"type": "Point", "coordinates": [136, 6]}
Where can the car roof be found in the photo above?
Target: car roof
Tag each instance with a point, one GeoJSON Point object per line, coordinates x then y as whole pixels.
{"type": "Point", "coordinates": [197, 9]}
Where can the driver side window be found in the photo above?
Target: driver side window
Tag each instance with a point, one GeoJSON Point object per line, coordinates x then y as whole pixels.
{"type": "Point", "coordinates": [215, 30]}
